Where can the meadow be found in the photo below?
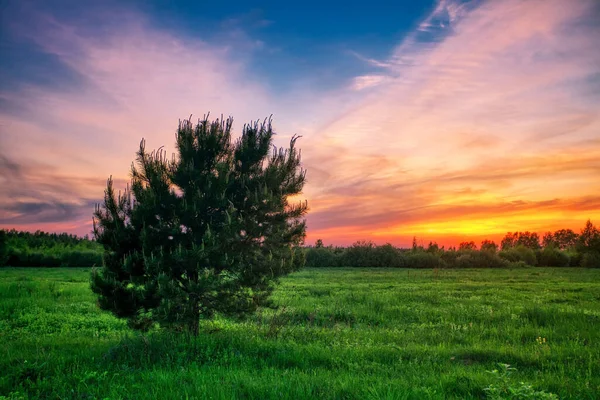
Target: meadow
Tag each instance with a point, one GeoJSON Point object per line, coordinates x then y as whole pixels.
{"type": "Point", "coordinates": [343, 333]}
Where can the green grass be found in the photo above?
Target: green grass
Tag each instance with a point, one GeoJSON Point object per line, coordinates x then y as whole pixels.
{"type": "Point", "coordinates": [337, 333]}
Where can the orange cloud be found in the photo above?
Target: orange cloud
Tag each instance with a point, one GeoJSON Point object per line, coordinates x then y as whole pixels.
{"type": "Point", "coordinates": [492, 127]}
{"type": "Point", "coordinates": [478, 123]}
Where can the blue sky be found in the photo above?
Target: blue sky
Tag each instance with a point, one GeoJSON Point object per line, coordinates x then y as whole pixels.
{"type": "Point", "coordinates": [446, 119]}
{"type": "Point", "coordinates": [321, 42]}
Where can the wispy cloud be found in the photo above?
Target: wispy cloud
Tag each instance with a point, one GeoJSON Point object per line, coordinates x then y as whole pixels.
{"type": "Point", "coordinates": [133, 81]}
{"type": "Point", "coordinates": [371, 61]}
{"type": "Point", "coordinates": [36, 195]}
{"type": "Point", "coordinates": [490, 96]}
{"type": "Point", "coordinates": [368, 81]}
{"type": "Point", "coordinates": [484, 119]}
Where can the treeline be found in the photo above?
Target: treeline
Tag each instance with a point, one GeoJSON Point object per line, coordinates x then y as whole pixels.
{"type": "Point", "coordinates": [42, 249]}
{"type": "Point", "coordinates": [563, 248]}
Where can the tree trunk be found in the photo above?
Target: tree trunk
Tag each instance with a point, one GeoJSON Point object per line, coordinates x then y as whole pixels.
{"type": "Point", "coordinates": [194, 322]}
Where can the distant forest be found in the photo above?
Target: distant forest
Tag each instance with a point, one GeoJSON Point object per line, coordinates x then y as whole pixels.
{"type": "Point", "coordinates": [42, 249]}
{"type": "Point", "coordinates": [562, 248]}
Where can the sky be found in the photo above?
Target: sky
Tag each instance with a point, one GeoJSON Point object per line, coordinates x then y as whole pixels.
{"type": "Point", "coordinates": [446, 120]}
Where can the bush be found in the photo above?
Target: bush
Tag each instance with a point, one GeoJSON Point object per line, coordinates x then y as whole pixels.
{"type": "Point", "coordinates": [574, 257]}
{"type": "Point", "coordinates": [479, 259]}
{"type": "Point", "coordinates": [81, 258]}
{"type": "Point", "coordinates": [449, 258]}
{"type": "Point", "coordinates": [40, 249]}
{"type": "Point", "coordinates": [591, 260]}
{"type": "Point", "coordinates": [319, 257]}
{"type": "Point", "coordinates": [389, 256]}
{"type": "Point", "coordinates": [421, 259]}
{"type": "Point", "coordinates": [519, 253]}
{"type": "Point", "coordinates": [367, 254]}
{"type": "Point", "coordinates": [553, 257]}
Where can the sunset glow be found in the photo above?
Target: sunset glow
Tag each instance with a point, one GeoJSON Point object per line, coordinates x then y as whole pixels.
{"type": "Point", "coordinates": [467, 120]}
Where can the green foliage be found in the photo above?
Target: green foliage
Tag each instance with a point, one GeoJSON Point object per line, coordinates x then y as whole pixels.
{"type": "Point", "coordinates": [367, 254]}
{"type": "Point", "coordinates": [478, 259]}
{"type": "Point", "coordinates": [519, 253]}
{"type": "Point", "coordinates": [361, 254]}
{"type": "Point", "coordinates": [519, 249]}
{"type": "Point", "coordinates": [588, 246]}
{"type": "Point", "coordinates": [574, 257]}
{"type": "Point", "coordinates": [323, 257]}
{"type": "Point", "coordinates": [504, 389]}
{"type": "Point", "coordinates": [41, 249]}
{"type": "Point", "coordinates": [208, 231]}
{"type": "Point", "coordinates": [552, 257]}
{"type": "Point", "coordinates": [422, 259]}
{"type": "Point", "coordinates": [343, 333]}
{"type": "Point", "coordinates": [590, 260]}
{"type": "Point", "coordinates": [589, 239]}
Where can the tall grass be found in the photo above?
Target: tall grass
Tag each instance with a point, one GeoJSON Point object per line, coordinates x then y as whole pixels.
{"type": "Point", "coordinates": [334, 334]}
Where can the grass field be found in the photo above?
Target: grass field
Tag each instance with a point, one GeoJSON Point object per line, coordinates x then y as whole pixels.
{"type": "Point", "coordinates": [337, 334]}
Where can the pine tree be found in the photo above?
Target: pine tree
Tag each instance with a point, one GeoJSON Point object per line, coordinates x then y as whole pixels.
{"type": "Point", "coordinates": [208, 230]}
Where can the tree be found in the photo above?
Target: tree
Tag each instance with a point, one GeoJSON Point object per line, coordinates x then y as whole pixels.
{"type": "Point", "coordinates": [562, 239]}
{"type": "Point", "coordinates": [509, 240]}
{"type": "Point", "coordinates": [589, 239]}
{"type": "Point", "coordinates": [548, 240]}
{"type": "Point", "coordinates": [207, 231]}
{"type": "Point", "coordinates": [416, 246]}
{"type": "Point", "coordinates": [489, 246]}
{"type": "Point", "coordinates": [319, 243]}
{"type": "Point", "coordinates": [527, 239]}
{"type": "Point", "coordinates": [565, 238]}
{"type": "Point", "coordinates": [467, 246]}
{"type": "Point", "coordinates": [433, 247]}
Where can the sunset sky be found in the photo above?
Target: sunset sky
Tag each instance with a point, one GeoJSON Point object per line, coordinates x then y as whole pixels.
{"type": "Point", "coordinates": [446, 120]}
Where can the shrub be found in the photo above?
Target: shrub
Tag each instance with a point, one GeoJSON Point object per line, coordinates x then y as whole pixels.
{"type": "Point", "coordinates": [590, 260]}
{"type": "Point", "coordinates": [553, 257]}
{"type": "Point", "coordinates": [319, 257]}
{"type": "Point", "coordinates": [479, 259]}
{"type": "Point", "coordinates": [40, 249]}
{"type": "Point", "coordinates": [367, 254]}
{"type": "Point", "coordinates": [389, 256]}
{"type": "Point", "coordinates": [421, 259]}
{"type": "Point", "coordinates": [574, 257]}
{"type": "Point", "coordinates": [449, 258]}
{"type": "Point", "coordinates": [519, 253]}
{"type": "Point", "coordinates": [360, 254]}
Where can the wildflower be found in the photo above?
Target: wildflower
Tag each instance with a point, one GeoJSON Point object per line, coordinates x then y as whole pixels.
{"type": "Point", "coordinates": [541, 340]}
